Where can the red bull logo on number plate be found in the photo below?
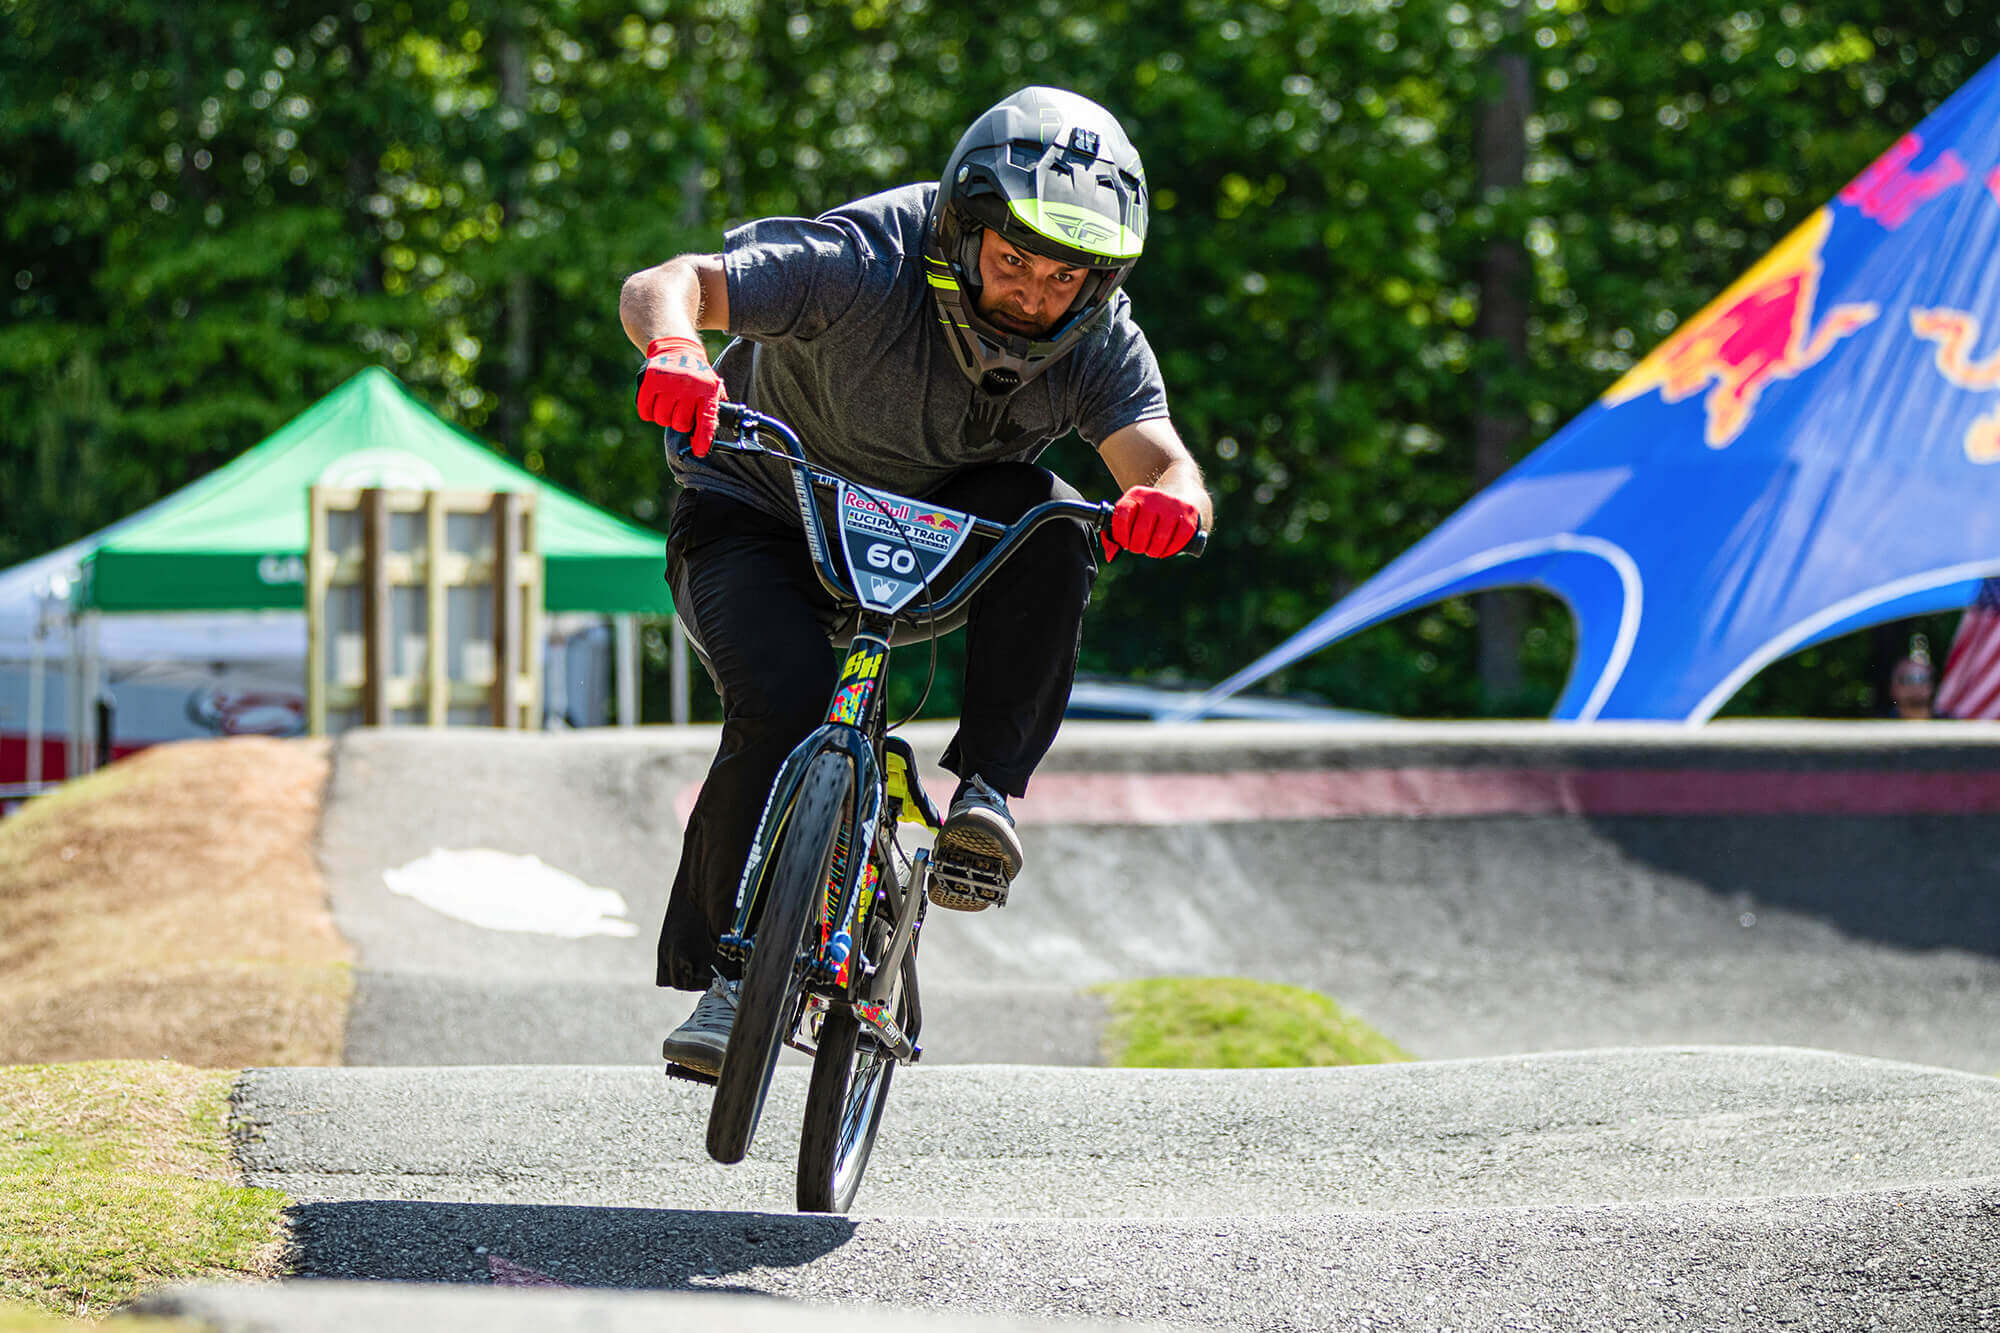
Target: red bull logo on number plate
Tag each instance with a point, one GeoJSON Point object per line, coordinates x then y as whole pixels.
{"type": "Point", "coordinates": [1761, 330]}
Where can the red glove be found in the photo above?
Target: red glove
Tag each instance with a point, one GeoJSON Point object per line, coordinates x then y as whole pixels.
{"type": "Point", "coordinates": [678, 390]}
{"type": "Point", "coordinates": [1151, 522]}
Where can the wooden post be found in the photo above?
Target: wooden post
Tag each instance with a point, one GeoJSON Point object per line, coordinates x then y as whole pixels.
{"type": "Point", "coordinates": [375, 607]}
{"type": "Point", "coordinates": [319, 577]}
{"type": "Point", "coordinates": [437, 665]}
{"type": "Point", "coordinates": [507, 627]}
{"type": "Point", "coordinates": [529, 594]}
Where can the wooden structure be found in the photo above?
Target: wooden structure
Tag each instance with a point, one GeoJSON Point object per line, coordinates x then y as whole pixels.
{"type": "Point", "coordinates": [423, 608]}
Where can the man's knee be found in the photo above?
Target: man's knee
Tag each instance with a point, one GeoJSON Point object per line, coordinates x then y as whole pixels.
{"type": "Point", "coordinates": [780, 717]}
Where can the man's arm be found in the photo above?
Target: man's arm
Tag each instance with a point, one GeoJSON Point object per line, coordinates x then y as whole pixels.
{"type": "Point", "coordinates": [1150, 453]}
{"type": "Point", "coordinates": [663, 310]}
{"type": "Point", "coordinates": [674, 300]}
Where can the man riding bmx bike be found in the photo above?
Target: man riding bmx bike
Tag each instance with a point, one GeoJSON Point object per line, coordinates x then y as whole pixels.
{"type": "Point", "coordinates": [931, 340]}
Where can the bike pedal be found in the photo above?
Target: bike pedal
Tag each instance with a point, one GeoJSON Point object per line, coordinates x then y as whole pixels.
{"type": "Point", "coordinates": [970, 885]}
{"type": "Point", "coordinates": [689, 1075]}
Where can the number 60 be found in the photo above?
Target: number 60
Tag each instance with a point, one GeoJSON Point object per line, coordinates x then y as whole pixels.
{"type": "Point", "coordinates": [892, 558]}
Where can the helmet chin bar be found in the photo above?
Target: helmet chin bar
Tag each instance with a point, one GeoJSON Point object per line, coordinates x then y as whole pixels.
{"type": "Point", "coordinates": [1027, 357]}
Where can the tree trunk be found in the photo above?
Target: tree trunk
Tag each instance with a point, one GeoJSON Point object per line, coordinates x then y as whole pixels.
{"type": "Point", "coordinates": [196, 188]}
{"type": "Point", "coordinates": [364, 167]}
{"type": "Point", "coordinates": [1499, 427]}
{"type": "Point", "coordinates": [519, 300]}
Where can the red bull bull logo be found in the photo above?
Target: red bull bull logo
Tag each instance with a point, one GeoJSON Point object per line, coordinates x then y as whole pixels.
{"type": "Point", "coordinates": [938, 521]}
{"type": "Point", "coordinates": [1759, 331]}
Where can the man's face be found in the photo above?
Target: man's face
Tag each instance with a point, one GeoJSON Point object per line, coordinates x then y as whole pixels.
{"type": "Point", "coordinates": [1022, 293]}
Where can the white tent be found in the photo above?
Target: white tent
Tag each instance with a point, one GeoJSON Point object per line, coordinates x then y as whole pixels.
{"type": "Point", "coordinates": [55, 663]}
{"type": "Point", "coordinates": [167, 677]}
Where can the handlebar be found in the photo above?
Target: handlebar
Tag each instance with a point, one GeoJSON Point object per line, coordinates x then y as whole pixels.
{"type": "Point", "coordinates": [745, 423]}
{"type": "Point", "coordinates": [749, 425]}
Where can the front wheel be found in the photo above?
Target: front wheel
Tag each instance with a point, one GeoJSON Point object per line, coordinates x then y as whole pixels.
{"type": "Point", "coordinates": [850, 1088]}
{"type": "Point", "coordinates": [786, 941]}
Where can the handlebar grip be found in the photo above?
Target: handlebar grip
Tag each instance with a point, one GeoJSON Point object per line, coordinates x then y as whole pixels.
{"type": "Point", "coordinates": [728, 421]}
{"type": "Point", "coordinates": [1196, 544]}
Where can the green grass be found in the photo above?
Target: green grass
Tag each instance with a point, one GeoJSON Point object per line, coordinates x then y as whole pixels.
{"type": "Point", "coordinates": [1232, 1023]}
{"type": "Point", "coordinates": [115, 1178]}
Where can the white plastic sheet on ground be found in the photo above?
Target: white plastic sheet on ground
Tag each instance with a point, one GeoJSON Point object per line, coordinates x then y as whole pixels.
{"type": "Point", "coordinates": [503, 891]}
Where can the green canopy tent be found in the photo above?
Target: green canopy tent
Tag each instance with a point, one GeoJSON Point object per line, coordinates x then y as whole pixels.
{"type": "Point", "coordinates": [236, 539]}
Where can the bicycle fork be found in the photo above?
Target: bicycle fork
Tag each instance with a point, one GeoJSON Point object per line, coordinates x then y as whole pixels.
{"type": "Point", "coordinates": [855, 713]}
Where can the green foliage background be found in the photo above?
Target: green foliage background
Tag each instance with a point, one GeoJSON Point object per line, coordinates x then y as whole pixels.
{"type": "Point", "coordinates": [216, 213]}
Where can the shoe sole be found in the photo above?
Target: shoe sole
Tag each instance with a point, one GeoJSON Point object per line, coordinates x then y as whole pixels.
{"type": "Point", "coordinates": [701, 1059]}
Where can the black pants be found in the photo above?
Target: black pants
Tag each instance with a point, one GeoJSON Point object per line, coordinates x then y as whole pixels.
{"type": "Point", "coordinates": [765, 628]}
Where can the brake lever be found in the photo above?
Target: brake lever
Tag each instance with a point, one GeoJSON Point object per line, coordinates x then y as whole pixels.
{"type": "Point", "coordinates": [728, 433]}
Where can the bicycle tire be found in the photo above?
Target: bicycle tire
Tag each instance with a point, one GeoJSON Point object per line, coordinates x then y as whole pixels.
{"type": "Point", "coordinates": [787, 937]}
{"type": "Point", "coordinates": [844, 1105]}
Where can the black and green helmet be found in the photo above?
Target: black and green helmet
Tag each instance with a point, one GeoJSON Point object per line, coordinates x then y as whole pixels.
{"type": "Point", "coordinates": [1053, 174]}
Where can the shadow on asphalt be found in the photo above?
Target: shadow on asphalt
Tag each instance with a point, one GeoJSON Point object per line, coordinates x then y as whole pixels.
{"type": "Point", "coordinates": [1910, 881]}
{"type": "Point", "coordinates": [547, 1245]}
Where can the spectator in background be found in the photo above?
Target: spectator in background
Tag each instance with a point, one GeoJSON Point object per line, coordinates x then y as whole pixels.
{"type": "Point", "coordinates": [1912, 681]}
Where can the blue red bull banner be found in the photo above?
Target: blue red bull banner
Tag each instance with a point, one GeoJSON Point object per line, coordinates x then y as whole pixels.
{"type": "Point", "coordinates": [1816, 451]}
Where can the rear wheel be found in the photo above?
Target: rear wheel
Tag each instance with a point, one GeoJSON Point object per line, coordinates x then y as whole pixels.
{"type": "Point", "coordinates": [786, 940]}
{"type": "Point", "coordinates": [850, 1088]}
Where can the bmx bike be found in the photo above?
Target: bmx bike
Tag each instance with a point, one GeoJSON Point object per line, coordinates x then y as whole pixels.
{"type": "Point", "coordinates": [830, 907]}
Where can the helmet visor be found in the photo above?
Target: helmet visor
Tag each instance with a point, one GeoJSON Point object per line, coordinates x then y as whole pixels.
{"type": "Point", "coordinates": [1059, 203]}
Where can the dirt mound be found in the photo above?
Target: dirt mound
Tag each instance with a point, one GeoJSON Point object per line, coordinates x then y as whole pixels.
{"type": "Point", "coordinates": [171, 906]}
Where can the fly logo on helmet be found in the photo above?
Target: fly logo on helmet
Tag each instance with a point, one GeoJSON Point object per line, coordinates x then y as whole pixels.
{"type": "Point", "coordinates": [1052, 174]}
{"type": "Point", "coordinates": [1084, 231]}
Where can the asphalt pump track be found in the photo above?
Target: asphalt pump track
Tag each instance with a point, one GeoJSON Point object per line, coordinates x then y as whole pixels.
{"type": "Point", "coordinates": [1707, 1025]}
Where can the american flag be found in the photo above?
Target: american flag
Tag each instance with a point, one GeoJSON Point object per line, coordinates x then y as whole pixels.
{"type": "Point", "coordinates": [1971, 683]}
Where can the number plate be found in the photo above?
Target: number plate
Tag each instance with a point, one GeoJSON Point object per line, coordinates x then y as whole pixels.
{"type": "Point", "coordinates": [894, 544]}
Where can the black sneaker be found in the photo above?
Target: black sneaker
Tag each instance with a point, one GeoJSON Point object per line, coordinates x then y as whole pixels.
{"type": "Point", "coordinates": [699, 1043]}
{"type": "Point", "coordinates": [978, 853]}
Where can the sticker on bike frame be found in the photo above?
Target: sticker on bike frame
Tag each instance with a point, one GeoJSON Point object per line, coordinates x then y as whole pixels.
{"type": "Point", "coordinates": [849, 703]}
{"type": "Point", "coordinates": [857, 682]}
{"type": "Point", "coordinates": [893, 544]}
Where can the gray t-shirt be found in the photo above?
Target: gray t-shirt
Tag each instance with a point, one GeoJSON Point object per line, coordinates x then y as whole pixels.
{"type": "Point", "coordinates": [849, 353]}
